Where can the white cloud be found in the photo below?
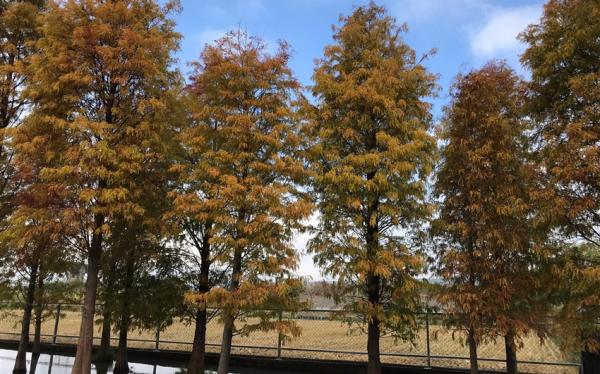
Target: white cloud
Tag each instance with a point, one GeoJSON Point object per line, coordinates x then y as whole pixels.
{"type": "Point", "coordinates": [208, 36]}
{"type": "Point", "coordinates": [498, 36]}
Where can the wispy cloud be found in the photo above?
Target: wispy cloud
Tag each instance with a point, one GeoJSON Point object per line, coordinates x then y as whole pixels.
{"type": "Point", "coordinates": [497, 37]}
{"type": "Point", "coordinates": [208, 36]}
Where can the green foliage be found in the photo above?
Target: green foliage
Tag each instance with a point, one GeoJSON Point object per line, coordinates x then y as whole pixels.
{"type": "Point", "coordinates": [575, 274]}
{"type": "Point", "coordinates": [147, 290]}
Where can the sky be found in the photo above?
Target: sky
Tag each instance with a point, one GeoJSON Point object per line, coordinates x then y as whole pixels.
{"type": "Point", "coordinates": [465, 33]}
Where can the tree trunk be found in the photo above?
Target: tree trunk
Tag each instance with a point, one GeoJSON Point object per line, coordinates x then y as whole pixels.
{"type": "Point", "coordinates": [35, 352]}
{"type": "Point", "coordinates": [83, 357]}
{"type": "Point", "coordinates": [228, 319]}
{"type": "Point", "coordinates": [473, 352]}
{"type": "Point", "coordinates": [373, 289]}
{"type": "Point", "coordinates": [374, 364]}
{"type": "Point", "coordinates": [474, 364]}
{"type": "Point", "coordinates": [105, 353]}
{"type": "Point", "coordinates": [373, 332]}
{"type": "Point", "coordinates": [226, 345]}
{"type": "Point", "coordinates": [102, 367]}
{"type": "Point", "coordinates": [121, 362]}
{"type": "Point", "coordinates": [21, 359]}
{"type": "Point", "coordinates": [511, 353]}
{"type": "Point", "coordinates": [196, 364]}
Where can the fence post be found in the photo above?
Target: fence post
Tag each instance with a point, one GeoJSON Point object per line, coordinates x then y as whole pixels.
{"type": "Point", "coordinates": [427, 338]}
{"type": "Point", "coordinates": [157, 341]}
{"type": "Point", "coordinates": [56, 323]}
{"type": "Point", "coordinates": [279, 335]}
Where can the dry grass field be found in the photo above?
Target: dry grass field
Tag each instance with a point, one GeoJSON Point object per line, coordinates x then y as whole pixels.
{"type": "Point", "coordinates": [318, 336]}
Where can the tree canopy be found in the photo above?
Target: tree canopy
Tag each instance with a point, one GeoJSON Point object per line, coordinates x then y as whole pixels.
{"type": "Point", "coordinates": [370, 152]}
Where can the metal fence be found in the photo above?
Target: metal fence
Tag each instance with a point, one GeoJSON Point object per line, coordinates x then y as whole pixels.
{"type": "Point", "coordinates": [324, 335]}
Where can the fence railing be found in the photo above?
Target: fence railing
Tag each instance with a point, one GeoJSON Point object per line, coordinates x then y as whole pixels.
{"type": "Point", "coordinates": [324, 335]}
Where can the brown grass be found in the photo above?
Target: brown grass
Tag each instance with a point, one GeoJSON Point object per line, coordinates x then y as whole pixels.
{"type": "Point", "coordinates": [326, 335]}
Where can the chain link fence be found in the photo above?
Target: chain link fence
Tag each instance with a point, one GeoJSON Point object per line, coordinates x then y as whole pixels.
{"type": "Point", "coordinates": [324, 334]}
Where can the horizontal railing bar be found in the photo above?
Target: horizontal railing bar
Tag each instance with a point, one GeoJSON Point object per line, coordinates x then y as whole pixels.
{"type": "Point", "coordinates": [391, 354]}
{"type": "Point", "coordinates": [339, 315]}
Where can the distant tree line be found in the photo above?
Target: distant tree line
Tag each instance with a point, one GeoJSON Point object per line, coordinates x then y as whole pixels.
{"type": "Point", "coordinates": [150, 196]}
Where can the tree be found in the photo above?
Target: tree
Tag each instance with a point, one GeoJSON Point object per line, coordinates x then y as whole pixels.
{"type": "Point", "coordinates": [138, 261]}
{"type": "Point", "coordinates": [492, 247]}
{"type": "Point", "coordinates": [106, 295]}
{"type": "Point", "coordinates": [370, 153]}
{"type": "Point", "coordinates": [563, 55]}
{"type": "Point", "coordinates": [563, 59]}
{"type": "Point", "coordinates": [145, 267]}
{"type": "Point", "coordinates": [193, 214]}
{"type": "Point", "coordinates": [17, 32]}
{"type": "Point", "coordinates": [149, 292]}
{"type": "Point", "coordinates": [99, 116]}
{"type": "Point", "coordinates": [575, 278]}
{"type": "Point", "coordinates": [36, 240]}
{"type": "Point", "coordinates": [245, 113]}
{"type": "Point", "coordinates": [471, 122]}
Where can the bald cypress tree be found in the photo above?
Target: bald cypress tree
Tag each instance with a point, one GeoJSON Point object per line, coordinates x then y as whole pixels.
{"type": "Point", "coordinates": [18, 32]}
{"type": "Point", "coordinates": [370, 153]}
{"type": "Point", "coordinates": [247, 174]}
{"type": "Point", "coordinates": [491, 246]}
{"type": "Point", "coordinates": [100, 116]}
{"type": "Point", "coordinates": [563, 56]}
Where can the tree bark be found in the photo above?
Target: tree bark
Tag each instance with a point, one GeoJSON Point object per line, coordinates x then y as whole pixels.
{"type": "Point", "coordinates": [121, 362]}
{"type": "Point", "coordinates": [228, 319]}
{"type": "Point", "coordinates": [374, 364]}
{"type": "Point", "coordinates": [373, 289]}
{"type": "Point", "coordinates": [21, 359]}
{"type": "Point", "coordinates": [226, 345]}
{"type": "Point", "coordinates": [472, 342]}
{"type": "Point", "coordinates": [511, 353]}
{"type": "Point", "coordinates": [105, 353]}
{"type": "Point", "coordinates": [83, 357]}
{"type": "Point", "coordinates": [35, 352]}
{"type": "Point", "coordinates": [473, 352]}
{"type": "Point", "coordinates": [102, 367]}
{"type": "Point", "coordinates": [197, 362]}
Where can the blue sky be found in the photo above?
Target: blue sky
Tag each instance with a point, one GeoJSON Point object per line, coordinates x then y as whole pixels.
{"type": "Point", "coordinates": [466, 34]}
